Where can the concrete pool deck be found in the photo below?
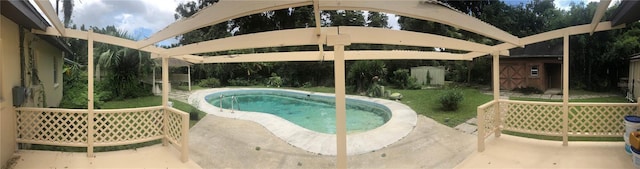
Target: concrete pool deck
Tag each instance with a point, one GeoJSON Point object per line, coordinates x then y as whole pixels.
{"type": "Point", "coordinates": [402, 122]}
{"type": "Point", "coordinates": [218, 142]}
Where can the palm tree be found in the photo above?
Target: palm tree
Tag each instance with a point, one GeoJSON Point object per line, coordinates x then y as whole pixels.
{"type": "Point", "coordinates": [124, 67]}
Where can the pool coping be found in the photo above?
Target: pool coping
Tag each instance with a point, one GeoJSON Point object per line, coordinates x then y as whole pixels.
{"type": "Point", "coordinates": [403, 120]}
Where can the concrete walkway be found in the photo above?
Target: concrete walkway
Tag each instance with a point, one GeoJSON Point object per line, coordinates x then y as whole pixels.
{"type": "Point", "coordinates": [217, 142]}
{"type": "Point", "coordinates": [518, 152]}
{"type": "Point", "coordinates": [180, 95]}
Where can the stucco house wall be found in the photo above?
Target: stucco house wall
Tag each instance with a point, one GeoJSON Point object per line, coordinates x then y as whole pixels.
{"type": "Point", "coordinates": [48, 61]}
{"type": "Point", "coordinates": [10, 57]}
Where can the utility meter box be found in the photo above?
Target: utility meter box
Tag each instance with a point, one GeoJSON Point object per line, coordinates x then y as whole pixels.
{"type": "Point", "coordinates": [19, 94]}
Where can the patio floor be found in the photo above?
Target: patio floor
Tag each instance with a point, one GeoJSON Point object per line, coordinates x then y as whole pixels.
{"type": "Point", "coordinates": [156, 156]}
{"type": "Point", "coordinates": [517, 152]}
{"type": "Point", "coordinates": [218, 142]}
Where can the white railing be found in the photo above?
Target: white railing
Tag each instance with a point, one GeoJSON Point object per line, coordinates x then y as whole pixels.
{"type": "Point", "coordinates": [111, 127]}
{"type": "Point", "coordinates": [548, 119]}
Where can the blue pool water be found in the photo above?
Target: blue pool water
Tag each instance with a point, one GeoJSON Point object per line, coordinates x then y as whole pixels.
{"type": "Point", "coordinates": [313, 112]}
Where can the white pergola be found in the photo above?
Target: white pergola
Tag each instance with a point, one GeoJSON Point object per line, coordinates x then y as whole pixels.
{"type": "Point", "coordinates": [339, 37]}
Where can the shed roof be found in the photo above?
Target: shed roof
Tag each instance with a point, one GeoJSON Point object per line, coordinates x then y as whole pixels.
{"type": "Point", "coordinates": [626, 12]}
{"type": "Point", "coordinates": [543, 49]}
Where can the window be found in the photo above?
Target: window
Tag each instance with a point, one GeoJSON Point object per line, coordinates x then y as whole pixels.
{"type": "Point", "coordinates": [534, 71]}
{"type": "Point", "coordinates": [55, 71]}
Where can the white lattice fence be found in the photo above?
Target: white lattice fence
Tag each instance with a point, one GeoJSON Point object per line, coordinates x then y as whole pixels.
{"type": "Point", "coordinates": [128, 126]}
{"type": "Point", "coordinates": [599, 119]}
{"type": "Point", "coordinates": [178, 130]}
{"type": "Point", "coordinates": [112, 127]}
{"type": "Point", "coordinates": [541, 118]}
{"type": "Point", "coordinates": [63, 127]}
{"type": "Point", "coordinates": [487, 111]}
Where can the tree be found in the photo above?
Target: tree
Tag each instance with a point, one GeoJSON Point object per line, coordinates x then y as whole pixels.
{"type": "Point", "coordinates": [124, 67]}
{"type": "Point", "coordinates": [377, 19]}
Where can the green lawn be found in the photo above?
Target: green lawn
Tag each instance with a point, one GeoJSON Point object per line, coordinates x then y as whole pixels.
{"type": "Point", "coordinates": [153, 101]}
{"type": "Point", "coordinates": [186, 87]}
{"type": "Point", "coordinates": [425, 102]}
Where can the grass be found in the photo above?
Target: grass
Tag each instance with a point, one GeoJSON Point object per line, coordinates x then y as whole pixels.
{"type": "Point", "coordinates": [154, 101]}
{"type": "Point", "coordinates": [186, 87]}
{"type": "Point", "coordinates": [612, 99]}
{"type": "Point", "coordinates": [425, 102]}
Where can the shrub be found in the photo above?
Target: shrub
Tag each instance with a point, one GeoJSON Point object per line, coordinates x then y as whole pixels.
{"type": "Point", "coordinates": [193, 115]}
{"type": "Point", "coordinates": [450, 100]}
{"type": "Point", "coordinates": [274, 80]}
{"type": "Point", "coordinates": [241, 82]}
{"type": "Point", "coordinates": [210, 82]}
{"type": "Point", "coordinates": [364, 74]}
{"type": "Point", "coordinates": [528, 90]}
{"type": "Point", "coordinates": [402, 79]}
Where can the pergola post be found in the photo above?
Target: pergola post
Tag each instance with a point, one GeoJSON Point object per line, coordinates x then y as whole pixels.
{"type": "Point", "coordinates": [496, 93]}
{"type": "Point", "coordinates": [339, 41]}
{"type": "Point", "coordinates": [90, 106]}
{"type": "Point", "coordinates": [189, 76]}
{"type": "Point", "coordinates": [165, 97]}
{"type": "Point", "coordinates": [565, 90]}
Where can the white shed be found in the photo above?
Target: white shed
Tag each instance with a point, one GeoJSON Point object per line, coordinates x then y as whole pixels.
{"type": "Point", "coordinates": [436, 75]}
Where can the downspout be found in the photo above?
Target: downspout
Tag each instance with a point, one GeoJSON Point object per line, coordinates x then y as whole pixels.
{"type": "Point", "coordinates": [22, 57]}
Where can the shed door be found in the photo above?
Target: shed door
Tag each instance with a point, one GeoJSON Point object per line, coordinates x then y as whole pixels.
{"type": "Point", "coordinates": [512, 76]}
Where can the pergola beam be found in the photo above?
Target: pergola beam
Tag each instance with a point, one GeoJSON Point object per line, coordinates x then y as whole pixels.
{"type": "Point", "coordinates": [102, 38]}
{"type": "Point", "coordinates": [425, 11]}
{"type": "Point", "coordinates": [372, 35]}
{"type": "Point", "coordinates": [602, 7]}
{"type": "Point", "coordinates": [291, 37]}
{"type": "Point", "coordinates": [217, 13]}
{"type": "Point", "coordinates": [51, 15]}
{"type": "Point", "coordinates": [307, 36]}
{"type": "Point", "coordinates": [329, 55]}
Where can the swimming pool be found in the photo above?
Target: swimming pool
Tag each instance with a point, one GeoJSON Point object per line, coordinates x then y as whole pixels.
{"type": "Point", "coordinates": [395, 120]}
{"type": "Point", "coordinates": [313, 112]}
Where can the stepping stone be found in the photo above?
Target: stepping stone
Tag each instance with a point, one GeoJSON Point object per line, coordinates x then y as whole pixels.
{"type": "Point", "coordinates": [467, 128]}
{"type": "Point", "coordinates": [472, 121]}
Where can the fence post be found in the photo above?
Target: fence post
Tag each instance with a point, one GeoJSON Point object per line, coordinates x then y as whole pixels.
{"type": "Point", "coordinates": [165, 98]}
{"type": "Point", "coordinates": [481, 128]}
{"type": "Point", "coordinates": [496, 119]}
{"type": "Point", "coordinates": [185, 138]}
{"type": "Point", "coordinates": [638, 107]}
{"type": "Point", "coordinates": [565, 90]}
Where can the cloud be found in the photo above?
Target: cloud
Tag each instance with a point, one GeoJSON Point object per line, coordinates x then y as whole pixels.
{"type": "Point", "coordinates": [127, 15]}
{"type": "Point", "coordinates": [566, 4]}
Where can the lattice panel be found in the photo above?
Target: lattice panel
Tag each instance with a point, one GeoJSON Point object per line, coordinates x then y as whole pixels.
{"type": "Point", "coordinates": [175, 127]}
{"type": "Point", "coordinates": [599, 120]}
{"type": "Point", "coordinates": [52, 125]}
{"type": "Point", "coordinates": [127, 126]}
{"type": "Point", "coordinates": [542, 119]}
{"type": "Point", "coordinates": [489, 120]}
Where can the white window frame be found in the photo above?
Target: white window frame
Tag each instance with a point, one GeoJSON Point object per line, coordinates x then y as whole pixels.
{"type": "Point", "coordinates": [535, 71]}
{"type": "Point", "coordinates": [56, 71]}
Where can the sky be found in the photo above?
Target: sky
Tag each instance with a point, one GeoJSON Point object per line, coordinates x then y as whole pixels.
{"type": "Point", "coordinates": [142, 18]}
